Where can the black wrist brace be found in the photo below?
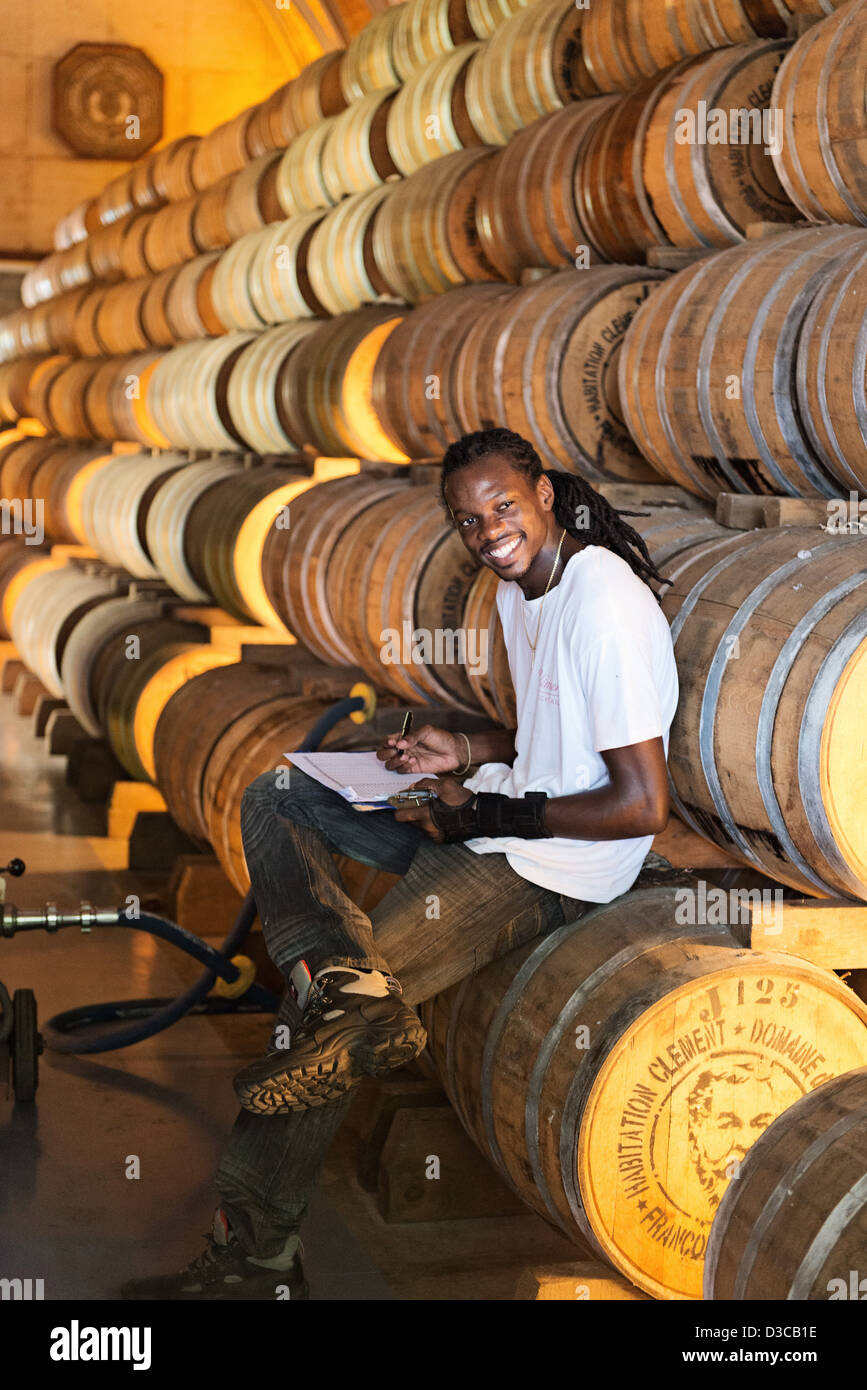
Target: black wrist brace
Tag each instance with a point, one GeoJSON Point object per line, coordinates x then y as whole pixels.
{"type": "Point", "coordinates": [489, 813]}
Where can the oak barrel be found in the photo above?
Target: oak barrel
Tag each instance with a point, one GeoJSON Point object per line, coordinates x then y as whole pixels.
{"type": "Point", "coordinates": [425, 237]}
{"type": "Point", "coordinates": [819, 89]}
{"type": "Point", "coordinates": [526, 210]}
{"type": "Point", "coordinates": [414, 386]}
{"type": "Point", "coordinates": [706, 375]}
{"type": "Point", "coordinates": [332, 383]}
{"type": "Point", "coordinates": [190, 725]}
{"type": "Point", "coordinates": [627, 40]}
{"type": "Point", "coordinates": [794, 1225]}
{"type": "Point", "coordinates": [429, 116]}
{"type": "Point", "coordinates": [770, 637]}
{"type": "Point", "coordinates": [532, 64]}
{"type": "Point", "coordinates": [544, 362]}
{"type": "Point", "coordinates": [707, 194]}
{"type": "Point", "coordinates": [616, 1070]}
{"type": "Point", "coordinates": [254, 743]}
{"type": "Point", "coordinates": [832, 371]}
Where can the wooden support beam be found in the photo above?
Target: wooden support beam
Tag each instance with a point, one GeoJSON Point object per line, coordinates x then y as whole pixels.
{"type": "Point", "coordinates": [12, 668]}
{"type": "Point", "coordinates": [584, 1281]}
{"type": "Point", "coordinates": [45, 707]}
{"type": "Point", "coordinates": [423, 474]}
{"type": "Point", "coordinates": [234, 639]}
{"type": "Point", "coordinates": [374, 1108]}
{"type": "Point", "coordinates": [63, 732]}
{"type": "Point", "coordinates": [742, 511]}
{"type": "Point", "coordinates": [831, 932]}
{"type": "Point", "coordinates": [757, 231]}
{"type": "Point", "coordinates": [745, 511]}
{"type": "Point", "coordinates": [28, 689]}
{"type": "Point", "coordinates": [377, 468]}
{"type": "Point", "coordinates": [230, 634]}
{"type": "Point", "coordinates": [684, 849]}
{"type": "Point", "coordinates": [201, 898]}
{"type": "Point", "coordinates": [155, 841]}
{"type": "Point", "coordinates": [639, 495]}
{"type": "Point", "coordinates": [795, 511]}
{"type": "Point", "coordinates": [91, 765]}
{"type": "Point", "coordinates": [432, 1171]}
{"type": "Point", "coordinates": [675, 257]}
{"type": "Point", "coordinates": [127, 800]}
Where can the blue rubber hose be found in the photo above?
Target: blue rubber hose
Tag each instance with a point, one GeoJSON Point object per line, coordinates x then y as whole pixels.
{"type": "Point", "coordinates": [60, 1032]}
{"type": "Point", "coordinates": [153, 1015]}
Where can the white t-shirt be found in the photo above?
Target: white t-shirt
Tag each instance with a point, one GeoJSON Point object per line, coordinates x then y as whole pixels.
{"type": "Point", "coordinates": [604, 676]}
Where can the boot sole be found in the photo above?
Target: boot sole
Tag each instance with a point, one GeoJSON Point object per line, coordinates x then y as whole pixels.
{"type": "Point", "coordinates": [307, 1087]}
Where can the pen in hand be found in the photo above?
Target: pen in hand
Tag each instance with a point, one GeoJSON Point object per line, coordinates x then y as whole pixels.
{"type": "Point", "coordinates": [405, 728]}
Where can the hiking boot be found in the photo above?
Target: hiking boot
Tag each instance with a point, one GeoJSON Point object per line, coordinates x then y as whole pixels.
{"type": "Point", "coordinates": [224, 1270]}
{"type": "Point", "coordinates": [354, 1023]}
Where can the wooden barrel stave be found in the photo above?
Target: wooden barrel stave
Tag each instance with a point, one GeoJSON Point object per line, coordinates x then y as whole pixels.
{"type": "Point", "coordinates": [413, 378]}
{"type": "Point", "coordinates": [89, 636]}
{"type": "Point", "coordinates": [343, 272]}
{"type": "Point", "coordinates": [190, 725]}
{"type": "Point", "coordinates": [167, 522]}
{"type": "Point", "coordinates": [425, 118]}
{"type": "Point", "coordinates": [251, 745]}
{"type": "Point", "coordinates": [252, 388]}
{"type": "Point", "coordinates": [296, 563]}
{"type": "Point", "coordinates": [425, 238]}
{"type": "Point", "coordinates": [532, 64]}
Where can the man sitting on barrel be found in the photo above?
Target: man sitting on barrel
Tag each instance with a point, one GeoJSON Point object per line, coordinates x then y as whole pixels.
{"type": "Point", "coordinates": [560, 813]}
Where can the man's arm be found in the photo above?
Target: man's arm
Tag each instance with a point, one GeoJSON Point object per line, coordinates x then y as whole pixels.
{"type": "Point", "coordinates": [493, 746]}
{"type": "Point", "coordinates": [634, 804]}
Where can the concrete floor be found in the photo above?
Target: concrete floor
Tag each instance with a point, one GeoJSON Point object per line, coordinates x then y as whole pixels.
{"type": "Point", "coordinates": [68, 1213]}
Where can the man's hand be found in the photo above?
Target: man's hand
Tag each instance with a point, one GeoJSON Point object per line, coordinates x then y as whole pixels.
{"type": "Point", "coordinates": [426, 750]}
{"type": "Point", "coordinates": [448, 789]}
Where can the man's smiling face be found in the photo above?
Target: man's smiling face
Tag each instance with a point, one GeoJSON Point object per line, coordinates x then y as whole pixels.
{"type": "Point", "coordinates": [501, 516]}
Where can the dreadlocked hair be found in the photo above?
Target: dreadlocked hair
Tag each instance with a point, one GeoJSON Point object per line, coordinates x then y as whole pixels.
{"type": "Point", "coordinates": [604, 524]}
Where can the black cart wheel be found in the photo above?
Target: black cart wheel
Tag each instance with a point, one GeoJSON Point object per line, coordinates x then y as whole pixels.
{"type": "Point", "coordinates": [25, 1045]}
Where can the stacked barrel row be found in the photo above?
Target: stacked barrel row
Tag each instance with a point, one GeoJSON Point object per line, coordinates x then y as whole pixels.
{"type": "Point", "coordinates": [184, 713]}
{"type": "Point", "coordinates": [368, 238]}
{"type": "Point", "coordinates": [338, 563]}
{"type": "Point", "coordinates": [394, 235]}
{"type": "Point", "coordinates": [149, 310]}
{"type": "Point", "coordinates": [744, 372]}
{"type": "Point", "coordinates": [626, 41]}
{"type": "Point", "coordinates": [385, 54]}
{"type": "Point", "coordinates": [747, 371]}
{"type": "Point", "coordinates": [381, 383]}
{"type": "Point", "coordinates": [370, 573]}
{"type": "Point", "coordinates": [542, 198]}
{"type": "Point", "coordinates": [381, 133]}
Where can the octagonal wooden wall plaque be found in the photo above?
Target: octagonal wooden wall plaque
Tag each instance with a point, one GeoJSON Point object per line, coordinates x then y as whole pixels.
{"type": "Point", "coordinates": [107, 101]}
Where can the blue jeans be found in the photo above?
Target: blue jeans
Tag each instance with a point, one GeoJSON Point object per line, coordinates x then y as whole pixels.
{"type": "Point", "coordinates": [451, 914]}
